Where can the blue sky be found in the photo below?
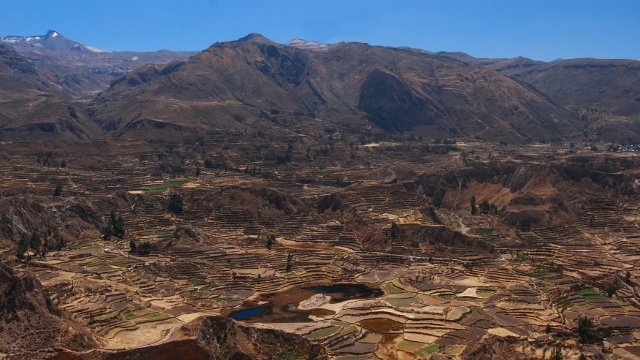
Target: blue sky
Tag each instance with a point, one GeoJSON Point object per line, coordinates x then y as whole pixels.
{"type": "Point", "coordinates": [539, 29]}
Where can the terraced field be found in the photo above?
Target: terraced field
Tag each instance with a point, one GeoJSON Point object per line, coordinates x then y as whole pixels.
{"type": "Point", "coordinates": [440, 281]}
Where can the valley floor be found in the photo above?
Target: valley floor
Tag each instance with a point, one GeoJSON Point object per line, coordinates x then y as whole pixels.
{"type": "Point", "coordinates": [413, 285]}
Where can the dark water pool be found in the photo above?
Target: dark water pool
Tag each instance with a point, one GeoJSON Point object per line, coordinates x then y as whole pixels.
{"type": "Point", "coordinates": [346, 291]}
{"type": "Point", "coordinates": [282, 306]}
{"type": "Point", "coordinates": [246, 313]}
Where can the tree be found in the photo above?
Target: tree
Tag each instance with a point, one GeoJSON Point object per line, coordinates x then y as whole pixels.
{"type": "Point", "coordinates": [132, 246]}
{"type": "Point", "coordinates": [473, 205]}
{"type": "Point", "coordinates": [58, 190]}
{"type": "Point", "coordinates": [289, 259]}
{"type": "Point", "coordinates": [612, 288]}
{"type": "Point", "coordinates": [485, 207]}
{"type": "Point", "coordinates": [271, 239]}
{"type": "Point", "coordinates": [35, 241]}
{"type": "Point", "coordinates": [197, 170]}
{"type": "Point", "coordinates": [585, 328]}
{"type": "Point", "coordinates": [556, 354]}
{"type": "Point", "coordinates": [107, 231]}
{"type": "Point", "coordinates": [23, 246]}
{"type": "Point", "coordinates": [395, 230]}
{"type": "Point", "coordinates": [175, 204]}
{"type": "Point", "coordinates": [117, 225]}
{"type": "Point", "coordinates": [59, 240]}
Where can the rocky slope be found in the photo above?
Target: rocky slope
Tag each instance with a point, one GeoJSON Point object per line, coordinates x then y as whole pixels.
{"type": "Point", "coordinates": [22, 215]}
{"type": "Point", "coordinates": [217, 337]}
{"type": "Point", "coordinates": [31, 326]}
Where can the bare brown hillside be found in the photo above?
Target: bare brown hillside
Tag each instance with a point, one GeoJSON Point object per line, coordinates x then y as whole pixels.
{"type": "Point", "coordinates": [393, 89]}
{"type": "Point", "coordinates": [32, 105]}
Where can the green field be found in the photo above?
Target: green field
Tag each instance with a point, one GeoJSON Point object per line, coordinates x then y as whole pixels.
{"type": "Point", "coordinates": [591, 293]}
{"type": "Point", "coordinates": [392, 289]}
{"type": "Point", "coordinates": [484, 231]}
{"type": "Point", "coordinates": [320, 333]}
{"type": "Point", "coordinates": [543, 274]}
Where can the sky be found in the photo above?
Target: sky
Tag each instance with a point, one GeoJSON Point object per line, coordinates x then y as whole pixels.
{"type": "Point", "coordinates": [539, 29]}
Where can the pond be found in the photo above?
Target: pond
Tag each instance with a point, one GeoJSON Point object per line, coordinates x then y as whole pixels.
{"type": "Point", "coordinates": [282, 306]}
{"type": "Point", "coordinates": [346, 291]}
{"type": "Point", "coordinates": [246, 313]}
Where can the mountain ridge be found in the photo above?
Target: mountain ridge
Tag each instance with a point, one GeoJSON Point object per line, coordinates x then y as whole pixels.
{"type": "Point", "coordinates": [393, 89]}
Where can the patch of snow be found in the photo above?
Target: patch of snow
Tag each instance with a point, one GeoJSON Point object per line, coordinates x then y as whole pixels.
{"type": "Point", "coordinates": [309, 45]}
{"type": "Point", "coordinates": [54, 34]}
{"type": "Point", "coordinates": [134, 58]}
{"type": "Point", "coordinates": [95, 49]}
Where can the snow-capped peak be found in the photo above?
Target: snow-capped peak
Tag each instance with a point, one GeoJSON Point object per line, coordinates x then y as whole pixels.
{"type": "Point", "coordinates": [52, 34]}
{"type": "Point", "coordinates": [309, 45]}
{"type": "Point", "coordinates": [53, 40]}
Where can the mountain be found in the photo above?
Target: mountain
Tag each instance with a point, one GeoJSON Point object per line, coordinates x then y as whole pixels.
{"type": "Point", "coordinates": [609, 85]}
{"type": "Point", "coordinates": [32, 104]}
{"type": "Point", "coordinates": [81, 68]}
{"type": "Point", "coordinates": [605, 94]}
{"type": "Point", "coordinates": [19, 77]}
{"type": "Point", "coordinates": [52, 40]}
{"type": "Point", "coordinates": [392, 89]}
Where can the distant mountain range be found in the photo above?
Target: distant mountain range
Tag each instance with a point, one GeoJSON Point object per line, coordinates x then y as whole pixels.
{"type": "Point", "coordinates": [81, 68]}
{"type": "Point", "coordinates": [241, 84]}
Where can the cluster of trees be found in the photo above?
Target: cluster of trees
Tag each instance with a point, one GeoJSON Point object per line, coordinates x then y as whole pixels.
{"type": "Point", "coordinates": [439, 149]}
{"type": "Point", "coordinates": [144, 248]}
{"type": "Point", "coordinates": [445, 141]}
{"type": "Point", "coordinates": [485, 207]}
{"type": "Point", "coordinates": [271, 239]}
{"type": "Point", "coordinates": [584, 330]}
{"type": "Point", "coordinates": [253, 171]}
{"type": "Point", "coordinates": [50, 240]}
{"type": "Point", "coordinates": [114, 227]}
{"type": "Point", "coordinates": [47, 159]}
